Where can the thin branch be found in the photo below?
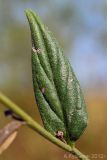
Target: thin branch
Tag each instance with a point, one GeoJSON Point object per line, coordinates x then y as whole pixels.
{"type": "Point", "coordinates": [35, 126]}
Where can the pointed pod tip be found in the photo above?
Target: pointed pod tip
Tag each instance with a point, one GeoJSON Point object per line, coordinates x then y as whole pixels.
{"type": "Point", "coordinates": [27, 11]}
{"type": "Point", "coordinates": [30, 14]}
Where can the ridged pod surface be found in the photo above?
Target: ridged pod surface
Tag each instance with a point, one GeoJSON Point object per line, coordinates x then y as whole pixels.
{"type": "Point", "coordinates": [57, 91]}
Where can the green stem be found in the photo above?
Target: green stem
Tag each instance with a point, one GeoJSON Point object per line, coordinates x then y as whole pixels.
{"type": "Point", "coordinates": [35, 126]}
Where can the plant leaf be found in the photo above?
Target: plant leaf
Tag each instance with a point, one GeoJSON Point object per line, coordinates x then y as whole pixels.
{"type": "Point", "coordinates": [57, 90]}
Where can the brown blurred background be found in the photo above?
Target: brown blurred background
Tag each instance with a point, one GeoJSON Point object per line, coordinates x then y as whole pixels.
{"type": "Point", "coordinates": [81, 28]}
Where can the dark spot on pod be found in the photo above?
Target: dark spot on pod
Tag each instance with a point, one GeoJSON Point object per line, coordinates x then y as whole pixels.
{"type": "Point", "coordinates": [59, 134]}
{"type": "Point", "coordinates": [43, 90]}
{"type": "Point", "coordinates": [38, 50]}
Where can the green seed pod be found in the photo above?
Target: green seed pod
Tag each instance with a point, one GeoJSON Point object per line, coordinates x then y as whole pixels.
{"type": "Point", "coordinates": [57, 90]}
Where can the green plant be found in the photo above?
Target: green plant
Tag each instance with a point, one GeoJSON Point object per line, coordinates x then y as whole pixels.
{"type": "Point", "coordinates": [57, 91]}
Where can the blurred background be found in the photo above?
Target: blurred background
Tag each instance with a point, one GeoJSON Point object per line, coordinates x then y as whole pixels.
{"type": "Point", "coordinates": [81, 28]}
